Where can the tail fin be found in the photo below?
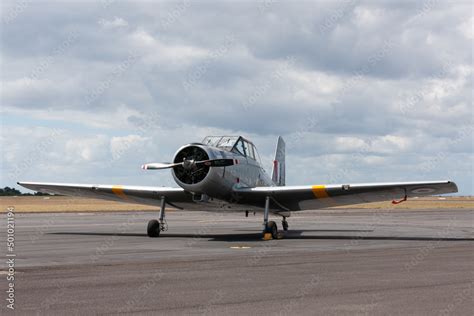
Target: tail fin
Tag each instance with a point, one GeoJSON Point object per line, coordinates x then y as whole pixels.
{"type": "Point", "coordinates": [278, 175]}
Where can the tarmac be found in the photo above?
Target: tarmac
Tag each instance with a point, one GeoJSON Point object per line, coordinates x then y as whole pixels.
{"type": "Point", "coordinates": [336, 262]}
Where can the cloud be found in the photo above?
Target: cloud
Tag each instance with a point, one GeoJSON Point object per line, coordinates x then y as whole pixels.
{"type": "Point", "coordinates": [120, 145]}
{"type": "Point", "coordinates": [115, 23]}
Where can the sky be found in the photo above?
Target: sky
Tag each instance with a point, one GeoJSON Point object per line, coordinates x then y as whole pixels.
{"type": "Point", "coordinates": [362, 91]}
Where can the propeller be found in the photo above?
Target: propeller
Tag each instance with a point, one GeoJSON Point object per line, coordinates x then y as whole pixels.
{"type": "Point", "coordinates": [189, 164]}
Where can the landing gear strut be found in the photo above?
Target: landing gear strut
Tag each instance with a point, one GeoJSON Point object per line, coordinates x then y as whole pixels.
{"type": "Point", "coordinates": [269, 227]}
{"type": "Point", "coordinates": [156, 227]}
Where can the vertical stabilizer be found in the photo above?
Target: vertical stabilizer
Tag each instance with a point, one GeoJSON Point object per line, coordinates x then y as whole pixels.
{"type": "Point", "coordinates": [278, 174]}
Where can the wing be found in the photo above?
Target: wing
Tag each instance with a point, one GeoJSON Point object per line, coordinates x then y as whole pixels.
{"type": "Point", "coordinates": [120, 193]}
{"type": "Point", "coordinates": [294, 198]}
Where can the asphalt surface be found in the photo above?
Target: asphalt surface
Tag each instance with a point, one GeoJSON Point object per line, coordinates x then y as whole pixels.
{"type": "Point", "coordinates": [357, 262]}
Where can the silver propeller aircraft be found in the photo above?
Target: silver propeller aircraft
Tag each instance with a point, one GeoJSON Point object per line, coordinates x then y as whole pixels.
{"type": "Point", "coordinates": [225, 173]}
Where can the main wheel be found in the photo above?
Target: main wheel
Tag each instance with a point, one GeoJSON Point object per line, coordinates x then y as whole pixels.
{"type": "Point", "coordinates": [272, 228]}
{"type": "Point", "coordinates": [153, 229]}
{"type": "Point", "coordinates": [284, 224]}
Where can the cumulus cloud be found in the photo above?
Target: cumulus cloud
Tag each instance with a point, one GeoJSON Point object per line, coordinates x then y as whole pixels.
{"type": "Point", "coordinates": [114, 23]}
{"type": "Point", "coordinates": [375, 90]}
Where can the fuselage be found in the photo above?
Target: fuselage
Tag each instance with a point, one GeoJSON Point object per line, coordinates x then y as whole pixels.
{"type": "Point", "coordinates": [219, 182]}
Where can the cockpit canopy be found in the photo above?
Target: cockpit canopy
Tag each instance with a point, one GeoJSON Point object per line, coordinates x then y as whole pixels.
{"type": "Point", "coordinates": [236, 144]}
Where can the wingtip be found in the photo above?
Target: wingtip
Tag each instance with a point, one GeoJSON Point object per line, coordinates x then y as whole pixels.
{"type": "Point", "coordinates": [456, 189]}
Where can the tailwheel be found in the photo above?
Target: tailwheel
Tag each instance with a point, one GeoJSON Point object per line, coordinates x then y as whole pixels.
{"type": "Point", "coordinates": [153, 229]}
{"type": "Point", "coordinates": [284, 224]}
{"type": "Point", "coordinates": [271, 228]}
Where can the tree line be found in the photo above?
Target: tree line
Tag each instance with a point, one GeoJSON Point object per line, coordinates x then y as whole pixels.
{"type": "Point", "coordinates": [7, 191]}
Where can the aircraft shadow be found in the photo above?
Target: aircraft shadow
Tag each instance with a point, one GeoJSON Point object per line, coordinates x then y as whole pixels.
{"type": "Point", "coordinates": [258, 236]}
{"type": "Point", "coordinates": [321, 230]}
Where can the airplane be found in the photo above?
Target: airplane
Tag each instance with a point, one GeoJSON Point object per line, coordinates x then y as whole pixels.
{"type": "Point", "coordinates": [225, 173]}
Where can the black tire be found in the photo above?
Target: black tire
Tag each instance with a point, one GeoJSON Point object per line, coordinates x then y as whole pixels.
{"type": "Point", "coordinates": [284, 224]}
{"type": "Point", "coordinates": [153, 229]}
{"type": "Point", "coordinates": [272, 229]}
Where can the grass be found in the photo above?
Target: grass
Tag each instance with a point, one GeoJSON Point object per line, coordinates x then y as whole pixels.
{"type": "Point", "coordinates": [49, 204]}
{"type": "Point", "coordinates": [432, 202]}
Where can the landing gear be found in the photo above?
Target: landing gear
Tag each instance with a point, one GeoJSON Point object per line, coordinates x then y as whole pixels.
{"type": "Point", "coordinates": [269, 227]}
{"type": "Point", "coordinates": [284, 224]}
{"type": "Point", "coordinates": [156, 227]}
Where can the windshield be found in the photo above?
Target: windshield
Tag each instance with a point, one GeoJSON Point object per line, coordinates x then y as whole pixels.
{"type": "Point", "coordinates": [224, 142]}
{"type": "Point", "coordinates": [235, 144]}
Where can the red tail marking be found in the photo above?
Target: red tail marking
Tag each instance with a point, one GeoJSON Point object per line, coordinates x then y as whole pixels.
{"type": "Point", "coordinates": [275, 169]}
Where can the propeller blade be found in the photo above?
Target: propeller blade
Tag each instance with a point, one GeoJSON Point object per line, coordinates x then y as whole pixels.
{"type": "Point", "coordinates": [190, 164]}
{"type": "Point", "coordinates": [217, 162]}
{"type": "Point", "coordinates": [160, 165]}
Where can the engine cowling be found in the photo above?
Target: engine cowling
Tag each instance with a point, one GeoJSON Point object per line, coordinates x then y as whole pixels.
{"type": "Point", "coordinates": [201, 178]}
{"type": "Point", "coordinates": [189, 174]}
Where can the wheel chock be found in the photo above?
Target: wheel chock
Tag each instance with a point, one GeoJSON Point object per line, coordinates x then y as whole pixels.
{"type": "Point", "coordinates": [267, 236]}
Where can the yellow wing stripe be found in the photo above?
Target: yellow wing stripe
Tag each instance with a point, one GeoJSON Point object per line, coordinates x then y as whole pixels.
{"type": "Point", "coordinates": [118, 191]}
{"type": "Point", "coordinates": [319, 191]}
